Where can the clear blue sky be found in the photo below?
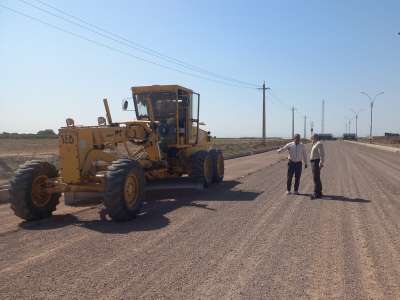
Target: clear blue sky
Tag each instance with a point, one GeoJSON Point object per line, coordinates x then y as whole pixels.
{"type": "Point", "coordinates": [305, 50]}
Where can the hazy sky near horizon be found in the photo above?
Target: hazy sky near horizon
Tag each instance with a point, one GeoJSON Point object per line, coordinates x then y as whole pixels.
{"type": "Point", "coordinates": [305, 50]}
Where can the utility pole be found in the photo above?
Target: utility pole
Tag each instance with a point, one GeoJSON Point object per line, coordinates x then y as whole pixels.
{"type": "Point", "coordinates": [323, 117]}
{"type": "Point", "coordinates": [264, 88]}
{"type": "Point", "coordinates": [356, 126]}
{"type": "Point", "coordinates": [372, 100]}
{"type": "Point", "coordinates": [293, 109]}
{"type": "Point", "coordinates": [349, 125]}
{"type": "Point", "coordinates": [305, 127]}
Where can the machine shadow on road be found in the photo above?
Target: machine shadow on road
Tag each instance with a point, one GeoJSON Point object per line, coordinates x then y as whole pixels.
{"type": "Point", "coordinates": [338, 198]}
{"type": "Point", "coordinates": [154, 211]}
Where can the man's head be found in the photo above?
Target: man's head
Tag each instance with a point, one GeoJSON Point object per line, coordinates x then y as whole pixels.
{"type": "Point", "coordinates": [296, 138]}
{"type": "Point", "coordinates": [315, 138]}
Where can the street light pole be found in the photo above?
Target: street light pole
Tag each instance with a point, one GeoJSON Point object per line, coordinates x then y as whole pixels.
{"type": "Point", "coordinates": [356, 113]}
{"type": "Point", "coordinates": [372, 100]}
{"type": "Point", "coordinates": [348, 125]}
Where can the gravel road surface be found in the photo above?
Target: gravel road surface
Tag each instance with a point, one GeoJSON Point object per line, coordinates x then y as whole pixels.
{"type": "Point", "coordinates": [243, 239]}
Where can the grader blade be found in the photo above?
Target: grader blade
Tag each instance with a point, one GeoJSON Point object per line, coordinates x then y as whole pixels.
{"type": "Point", "coordinates": [174, 184]}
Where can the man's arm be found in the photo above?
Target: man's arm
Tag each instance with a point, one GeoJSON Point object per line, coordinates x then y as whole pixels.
{"type": "Point", "coordinates": [304, 153]}
{"type": "Point", "coordinates": [321, 154]}
{"type": "Point", "coordinates": [283, 148]}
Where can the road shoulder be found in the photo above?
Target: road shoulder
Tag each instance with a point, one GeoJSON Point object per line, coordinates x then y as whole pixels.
{"type": "Point", "coordinates": [380, 147]}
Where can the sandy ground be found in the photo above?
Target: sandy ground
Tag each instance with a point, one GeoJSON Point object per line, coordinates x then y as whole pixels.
{"type": "Point", "coordinates": [243, 239]}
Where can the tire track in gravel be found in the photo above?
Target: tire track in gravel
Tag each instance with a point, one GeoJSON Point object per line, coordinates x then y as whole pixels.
{"type": "Point", "coordinates": [382, 260]}
{"type": "Point", "coordinates": [249, 252]}
{"type": "Point", "coordinates": [269, 248]}
{"type": "Point", "coordinates": [370, 287]}
{"type": "Point", "coordinates": [328, 266]}
{"type": "Point", "coordinates": [231, 225]}
{"type": "Point", "coordinates": [243, 239]}
{"type": "Point", "coordinates": [83, 245]}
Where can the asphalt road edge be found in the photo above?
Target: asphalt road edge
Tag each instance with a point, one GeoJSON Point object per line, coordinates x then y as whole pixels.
{"type": "Point", "coordinates": [379, 147]}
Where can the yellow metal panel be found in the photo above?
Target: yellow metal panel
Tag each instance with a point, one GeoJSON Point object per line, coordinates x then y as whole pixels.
{"type": "Point", "coordinates": [69, 155]}
{"type": "Point", "coordinates": [85, 144]}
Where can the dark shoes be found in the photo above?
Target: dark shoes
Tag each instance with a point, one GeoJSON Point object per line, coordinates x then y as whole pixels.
{"type": "Point", "coordinates": [316, 196]}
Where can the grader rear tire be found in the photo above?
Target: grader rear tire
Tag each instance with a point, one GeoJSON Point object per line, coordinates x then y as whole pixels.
{"type": "Point", "coordinates": [124, 189]}
{"type": "Point", "coordinates": [201, 168]}
{"type": "Point", "coordinates": [29, 200]}
{"type": "Point", "coordinates": [218, 165]}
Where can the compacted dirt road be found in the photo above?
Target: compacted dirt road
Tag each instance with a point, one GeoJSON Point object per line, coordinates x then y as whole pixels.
{"type": "Point", "coordinates": [243, 239]}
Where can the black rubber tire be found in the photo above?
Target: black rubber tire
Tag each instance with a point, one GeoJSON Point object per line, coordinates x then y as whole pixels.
{"type": "Point", "coordinates": [217, 156]}
{"type": "Point", "coordinates": [21, 191]}
{"type": "Point", "coordinates": [197, 170]}
{"type": "Point", "coordinates": [114, 199]}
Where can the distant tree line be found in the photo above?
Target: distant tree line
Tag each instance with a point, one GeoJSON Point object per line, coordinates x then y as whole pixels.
{"type": "Point", "coordinates": [41, 134]}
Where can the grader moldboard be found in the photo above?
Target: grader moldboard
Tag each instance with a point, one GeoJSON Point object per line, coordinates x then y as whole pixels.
{"type": "Point", "coordinates": [167, 140]}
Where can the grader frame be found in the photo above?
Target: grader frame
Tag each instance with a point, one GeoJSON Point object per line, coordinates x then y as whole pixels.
{"type": "Point", "coordinates": [167, 140]}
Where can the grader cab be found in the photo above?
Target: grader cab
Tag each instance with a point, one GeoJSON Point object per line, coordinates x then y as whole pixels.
{"type": "Point", "coordinates": [119, 159]}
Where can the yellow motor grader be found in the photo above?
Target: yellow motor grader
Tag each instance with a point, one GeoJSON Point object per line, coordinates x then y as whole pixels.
{"type": "Point", "coordinates": [120, 159]}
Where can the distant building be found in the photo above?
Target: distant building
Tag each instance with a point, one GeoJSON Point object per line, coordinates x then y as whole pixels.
{"type": "Point", "coordinates": [326, 136]}
{"type": "Point", "coordinates": [349, 136]}
{"type": "Point", "coordinates": [389, 134]}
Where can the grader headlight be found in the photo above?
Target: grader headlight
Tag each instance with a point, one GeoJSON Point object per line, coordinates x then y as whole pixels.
{"type": "Point", "coordinates": [70, 122]}
{"type": "Point", "coordinates": [101, 121]}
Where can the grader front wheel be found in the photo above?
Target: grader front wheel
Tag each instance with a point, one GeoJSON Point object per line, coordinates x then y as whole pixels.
{"type": "Point", "coordinates": [29, 198]}
{"type": "Point", "coordinates": [124, 189]}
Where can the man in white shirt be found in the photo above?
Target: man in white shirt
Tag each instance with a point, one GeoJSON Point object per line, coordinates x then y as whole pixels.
{"type": "Point", "coordinates": [297, 154]}
{"type": "Point", "coordinates": [317, 159]}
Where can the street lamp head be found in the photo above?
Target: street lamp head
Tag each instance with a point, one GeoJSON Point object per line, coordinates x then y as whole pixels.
{"type": "Point", "coordinates": [356, 112]}
{"type": "Point", "coordinates": [364, 93]}
{"type": "Point", "coordinates": [381, 93]}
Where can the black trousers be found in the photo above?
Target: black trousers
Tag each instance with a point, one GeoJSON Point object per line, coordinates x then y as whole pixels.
{"type": "Point", "coordinates": [294, 168]}
{"type": "Point", "coordinates": [316, 171]}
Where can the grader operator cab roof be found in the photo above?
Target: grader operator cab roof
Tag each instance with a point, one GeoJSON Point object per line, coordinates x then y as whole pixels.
{"type": "Point", "coordinates": [159, 88]}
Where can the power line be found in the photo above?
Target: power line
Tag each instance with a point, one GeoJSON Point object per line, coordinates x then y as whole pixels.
{"type": "Point", "coordinates": [118, 50]}
{"type": "Point", "coordinates": [129, 43]}
{"type": "Point", "coordinates": [280, 101]}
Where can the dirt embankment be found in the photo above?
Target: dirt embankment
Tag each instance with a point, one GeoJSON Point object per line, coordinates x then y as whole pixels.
{"type": "Point", "coordinates": [236, 147]}
{"type": "Point", "coordinates": [14, 152]}
{"type": "Point", "coordinates": [392, 141]}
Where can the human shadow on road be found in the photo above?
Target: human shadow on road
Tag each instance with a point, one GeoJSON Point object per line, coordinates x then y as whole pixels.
{"type": "Point", "coordinates": [155, 208]}
{"type": "Point", "coordinates": [339, 198]}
